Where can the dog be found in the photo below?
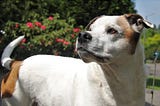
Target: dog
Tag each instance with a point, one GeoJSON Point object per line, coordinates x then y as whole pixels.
{"type": "Point", "coordinates": [110, 72]}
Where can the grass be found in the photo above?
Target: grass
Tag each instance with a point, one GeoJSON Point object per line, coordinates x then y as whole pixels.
{"type": "Point", "coordinates": [150, 83]}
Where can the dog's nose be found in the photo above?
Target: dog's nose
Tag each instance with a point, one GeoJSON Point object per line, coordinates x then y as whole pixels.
{"type": "Point", "coordinates": [84, 37]}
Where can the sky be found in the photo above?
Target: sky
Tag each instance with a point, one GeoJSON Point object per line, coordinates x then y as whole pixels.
{"type": "Point", "coordinates": [149, 9]}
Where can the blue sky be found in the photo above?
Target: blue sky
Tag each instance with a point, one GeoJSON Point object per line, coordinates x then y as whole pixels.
{"type": "Point", "coordinates": [149, 9]}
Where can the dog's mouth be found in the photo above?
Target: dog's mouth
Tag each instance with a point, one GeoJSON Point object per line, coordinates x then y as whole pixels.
{"type": "Point", "coordinates": [92, 54]}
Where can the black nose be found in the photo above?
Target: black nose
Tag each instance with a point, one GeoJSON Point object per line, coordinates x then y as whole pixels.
{"type": "Point", "coordinates": [84, 37]}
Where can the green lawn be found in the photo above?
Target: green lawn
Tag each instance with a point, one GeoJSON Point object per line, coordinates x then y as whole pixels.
{"type": "Point", "coordinates": [150, 83]}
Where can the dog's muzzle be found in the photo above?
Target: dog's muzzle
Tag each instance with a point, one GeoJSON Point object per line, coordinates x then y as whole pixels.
{"type": "Point", "coordinates": [84, 37]}
{"type": "Point", "coordinates": [87, 53]}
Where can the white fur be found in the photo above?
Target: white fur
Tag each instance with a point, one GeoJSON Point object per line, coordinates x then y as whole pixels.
{"type": "Point", "coordinates": [117, 80]}
{"type": "Point", "coordinates": [51, 84]}
{"type": "Point", "coordinates": [71, 84]}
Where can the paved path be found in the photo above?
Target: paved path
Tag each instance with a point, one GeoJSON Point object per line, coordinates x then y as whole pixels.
{"type": "Point", "coordinates": [156, 93]}
{"type": "Point", "coordinates": [152, 69]}
{"type": "Point", "coordinates": [156, 98]}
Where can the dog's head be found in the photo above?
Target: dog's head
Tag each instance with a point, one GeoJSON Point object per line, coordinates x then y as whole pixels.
{"type": "Point", "coordinates": [109, 37]}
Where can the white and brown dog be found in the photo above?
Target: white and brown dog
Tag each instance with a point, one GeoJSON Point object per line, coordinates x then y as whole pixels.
{"type": "Point", "coordinates": [112, 73]}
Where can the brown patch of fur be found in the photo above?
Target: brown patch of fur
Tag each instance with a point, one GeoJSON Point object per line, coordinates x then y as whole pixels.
{"type": "Point", "coordinates": [133, 18]}
{"type": "Point", "coordinates": [9, 81]}
{"type": "Point", "coordinates": [129, 33]}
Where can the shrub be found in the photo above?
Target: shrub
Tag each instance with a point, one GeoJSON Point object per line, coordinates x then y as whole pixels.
{"type": "Point", "coordinates": [50, 35]}
{"type": "Point", "coordinates": [151, 45]}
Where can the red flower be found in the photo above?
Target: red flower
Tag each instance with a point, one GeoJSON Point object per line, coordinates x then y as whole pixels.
{"type": "Point", "coordinates": [16, 25]}
{"type": "Point", "coordinates": [43, 27]}
{"type": "Point", "coordinates": [23, 40]}
{"type": "Point", "coordinates": [50, 18]}
{"type": "Point", "coordinates": [73, 35]}
{"type": "Point", "coordinates": [38, 24]}
{"type": "Point", "coordinates": [60, 40]}
{"type": "Point", "coordinates": [66, 43]}
{"type": "Point", "coordinates": [29, 24]}
{"type": "Point", "coordinates": [76, 30]}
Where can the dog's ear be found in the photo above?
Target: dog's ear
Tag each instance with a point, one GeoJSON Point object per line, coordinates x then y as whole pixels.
{"type": "Point", "coordinates": [148, 24]}
{"type": "Point", "coordinates": [91, 22]}
{"type": "Point", "coordinates": [137, 22]}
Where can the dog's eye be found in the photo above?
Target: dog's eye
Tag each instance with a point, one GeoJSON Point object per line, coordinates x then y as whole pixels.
{"type": "Point", "coordinates": [111, 31]}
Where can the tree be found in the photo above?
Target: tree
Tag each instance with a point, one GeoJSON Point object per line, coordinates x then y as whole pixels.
{"type": "Point", "coordinates": [22, 10]}
{"type": "Point", "coordinates": [84, 10]}
{"type": "Point", "coordinates": [159, 27]}
{"type": "Point", "coordinates": [81, 10]}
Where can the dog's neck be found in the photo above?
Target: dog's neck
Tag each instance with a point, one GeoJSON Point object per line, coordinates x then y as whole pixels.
{"type": "Point", "coordinates": [127, 78]}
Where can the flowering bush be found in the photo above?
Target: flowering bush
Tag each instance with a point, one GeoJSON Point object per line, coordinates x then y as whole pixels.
{"type": "Point", "coordinates": [50, 35]}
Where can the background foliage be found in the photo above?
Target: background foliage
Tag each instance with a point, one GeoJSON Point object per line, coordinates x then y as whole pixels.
{"type": "Point", "coordinates": [81, 10]}
{"type": "Point", "coordinates": [151, 41]}
{"type": "Point", "coordinates": [51, 35]}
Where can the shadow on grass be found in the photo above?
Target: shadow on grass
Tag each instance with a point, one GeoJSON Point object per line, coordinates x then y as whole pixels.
{"type": "Point", "coordinates": [150, 83]}
{"type": "Point", "coordinates": [148, 104]}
